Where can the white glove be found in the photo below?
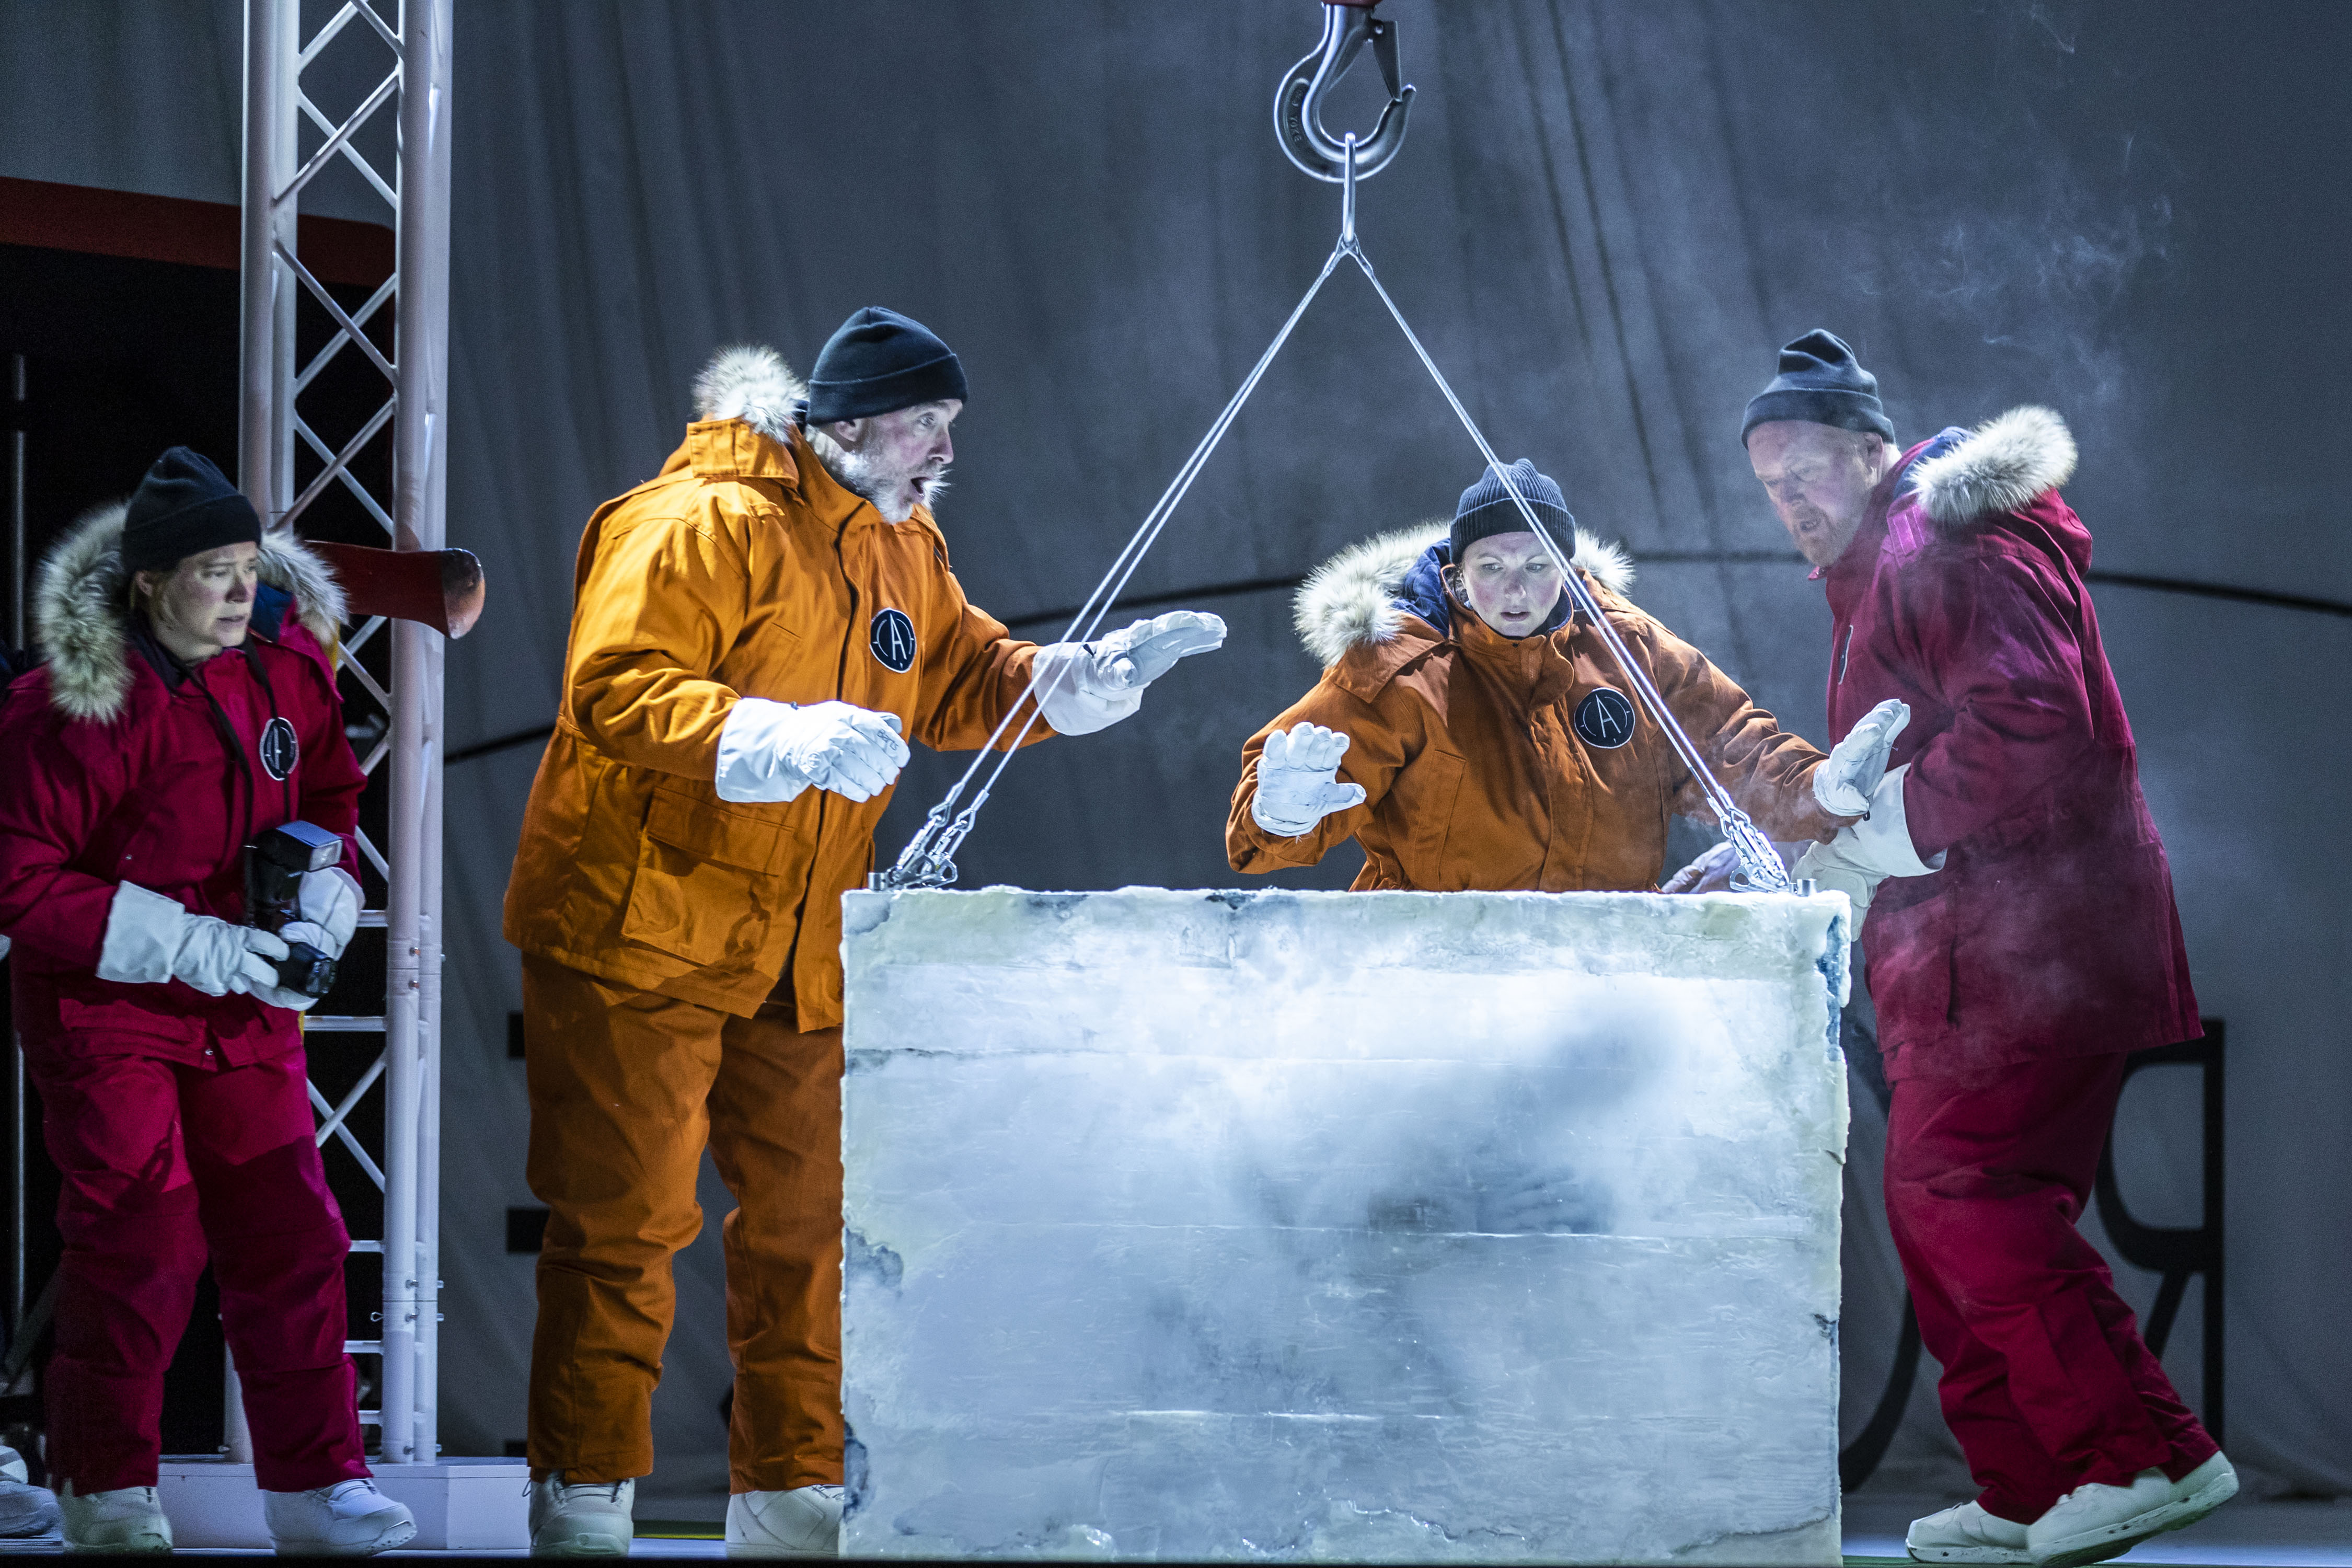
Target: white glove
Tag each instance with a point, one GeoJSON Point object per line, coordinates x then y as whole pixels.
{"type": "Point", "coordinates": [1086, 687]}
{"type": "Point", "coordinates": [773, 751]}
{"type": "Point", "coordinates": [326, 912]}
{"type": "Point", "coordinates": [1854, 767]}
{"type": "Point", "coordinates": [292, 1001]}
{"type": "Point", "coordinates": [1710, 873]}
{"type": "Point", "coordinates": [1133, 658]}
{"type": "Point", "coordinates": [151, 939]}
{"type": "Point", "coordinates": [1866, 853]}
{"type": "Point", "coordinates": [1298, 780]}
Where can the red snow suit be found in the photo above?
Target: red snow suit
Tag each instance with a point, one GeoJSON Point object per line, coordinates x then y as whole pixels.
{"type": "Point", "coordinates": [2046, 1383]}
{"type": "Point", "coordinates": [2047, 943]}
{"type": "Point", "coordinates": [179, 1123]}
{"type": "Point", "coordinates": [2051, 930]}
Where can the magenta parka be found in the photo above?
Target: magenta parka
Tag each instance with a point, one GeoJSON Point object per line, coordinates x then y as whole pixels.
{"type": "Point", "coordinates": [2051, 931]}
{"type": "Point", "coordinates": [117, 764]}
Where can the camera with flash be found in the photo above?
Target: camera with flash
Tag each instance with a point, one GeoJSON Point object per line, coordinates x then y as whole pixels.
{"type": "Point", "coordinates": [275, 865]}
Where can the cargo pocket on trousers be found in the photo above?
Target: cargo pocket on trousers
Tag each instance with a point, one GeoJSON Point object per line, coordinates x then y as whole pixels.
{"type": "Point", "coordinates": [702, 891]}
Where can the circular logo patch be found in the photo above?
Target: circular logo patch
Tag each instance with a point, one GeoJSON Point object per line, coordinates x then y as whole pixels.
{"type": "Point", "coordinates": [279, 749]}
{"type": "Point", "coordinates": [892, 638]}
{"type": "Point", "coordinates": [1605, 719]}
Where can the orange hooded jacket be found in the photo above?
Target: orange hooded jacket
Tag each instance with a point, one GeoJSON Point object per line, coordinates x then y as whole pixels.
{"type": "Point", "coordinates": [1510, 764]}
{"type": "Point", "coordinates": [743, 569]}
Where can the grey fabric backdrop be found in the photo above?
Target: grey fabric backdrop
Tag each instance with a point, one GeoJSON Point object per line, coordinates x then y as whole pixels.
{"type": "Point", "coordinates": [1606, 218]}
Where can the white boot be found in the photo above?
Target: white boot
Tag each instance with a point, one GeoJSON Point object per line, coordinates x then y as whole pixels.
{"type": "Point", "coordinates": [2095, 1521]}
{"type": "Point", "coordinates": [350, 1519]}
{"type": "Point", "coordinates": [1966, 1534]}
{"type": "Point", "coordinates": [590, 1519]}
{"type": "Point", "coordinates": [28, 1514]}
{"type": "Point", "coordinates": [127, 1519]}
{"type": "Point", "coordinates": [802, 1522]}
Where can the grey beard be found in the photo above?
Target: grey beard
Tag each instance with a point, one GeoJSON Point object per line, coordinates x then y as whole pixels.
{"type": "Point", "coordinates": [858, 474]}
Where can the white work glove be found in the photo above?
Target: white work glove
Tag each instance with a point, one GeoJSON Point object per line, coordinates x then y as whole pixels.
{"type": "Point", "coordinates": [151, 939]}
{"type": "Point", "coordinates": [1086, 687]}
{"type": "Point", "coordinates": [773, 751]}
{"type": "Point", "coordinates": [326, 912]}
{"type": "Point", "coordinates": [292, 1001]}
{"type": "Point", "coordinates": [1854, 767]}
{"type": "Point", "coordinates": [1866, 853]}
{"type": "Point", "coordinates": [1710, 873]}
{"type": "Point", "coordinates": [1298, 780]}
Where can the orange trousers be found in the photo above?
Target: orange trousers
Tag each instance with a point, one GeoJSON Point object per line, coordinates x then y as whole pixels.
{"type": "Point", "coordinates": [627, 1088]}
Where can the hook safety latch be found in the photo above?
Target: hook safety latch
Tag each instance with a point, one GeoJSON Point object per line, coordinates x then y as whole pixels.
{"type": "Point", "coordinates": [1347, 26]}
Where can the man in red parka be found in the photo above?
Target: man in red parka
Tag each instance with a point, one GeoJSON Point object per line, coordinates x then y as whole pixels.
{"type": "Point", "coordinates": [2016, 911]}
{"type": "Point", "coordinates": [183, 708]}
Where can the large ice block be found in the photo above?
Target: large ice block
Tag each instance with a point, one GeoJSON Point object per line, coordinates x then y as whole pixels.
{"type": "Point", "coordinates": [1343, 1226]}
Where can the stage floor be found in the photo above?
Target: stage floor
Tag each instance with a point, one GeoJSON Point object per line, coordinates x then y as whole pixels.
{"type": "Point", "coordinates": [2242, 1535]}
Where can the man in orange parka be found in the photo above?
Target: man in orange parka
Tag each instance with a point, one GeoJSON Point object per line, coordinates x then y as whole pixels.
{"type": "Point", "coordinates": [754, 631]}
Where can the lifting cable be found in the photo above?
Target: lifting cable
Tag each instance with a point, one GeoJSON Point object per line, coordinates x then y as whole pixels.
{"type": "Point", "coordinates": [929, 860]}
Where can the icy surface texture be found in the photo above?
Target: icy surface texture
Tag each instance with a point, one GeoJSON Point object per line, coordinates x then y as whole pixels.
{"type": "Point", "coordinates": [1395, 1226]}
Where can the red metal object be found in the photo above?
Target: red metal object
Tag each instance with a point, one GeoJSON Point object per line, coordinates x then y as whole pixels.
{"type": "Point", "coordinates": [439, 588]}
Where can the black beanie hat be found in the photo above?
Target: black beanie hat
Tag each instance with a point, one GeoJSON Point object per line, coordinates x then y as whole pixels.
{"type": "Point", "coordinates": [1820, 383]}
{"type": "Point", "coordinates": [878, 361]}
{"type": "Point", "coordinates": [1487, 509]}
{"type": "Point", "coordinates": [182, 507]}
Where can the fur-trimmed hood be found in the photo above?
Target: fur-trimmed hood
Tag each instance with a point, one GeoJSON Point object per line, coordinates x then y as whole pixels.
{"type": "Point", "coordinates": [754, 384]}
{"type": "Point", "coordinates": [1360, 595]}
{"type": "Point", "coordinates": [82, 608]}
{"type": "Point", "coordinates": [2000, 467]}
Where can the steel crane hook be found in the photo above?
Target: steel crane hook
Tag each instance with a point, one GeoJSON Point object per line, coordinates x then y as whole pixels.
{"type": "Point", "coordinates": [1347, 26]}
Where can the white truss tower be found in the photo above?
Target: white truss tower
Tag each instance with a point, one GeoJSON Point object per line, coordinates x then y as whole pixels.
{"type": "Point", "coordinates": [413, 36]}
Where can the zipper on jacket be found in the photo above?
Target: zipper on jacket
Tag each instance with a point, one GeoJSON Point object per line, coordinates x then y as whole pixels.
{"type": "Point", "coordinates": [840, 693]}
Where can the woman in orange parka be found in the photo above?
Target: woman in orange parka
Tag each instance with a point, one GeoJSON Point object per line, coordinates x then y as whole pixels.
{"type": "Point", "coordinates": [1471, 729]}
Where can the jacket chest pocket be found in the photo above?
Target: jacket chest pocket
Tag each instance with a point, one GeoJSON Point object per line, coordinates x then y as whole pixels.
{"type": "Point", "coordinates": [703, 889]}
{"type": "Point", "coordinates": [184, 821]}
{"type": "Point", "coordinates": [771, 662]}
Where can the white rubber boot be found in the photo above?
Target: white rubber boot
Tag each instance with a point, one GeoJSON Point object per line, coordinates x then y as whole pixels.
{"type": "Point", "coordinates": [127, 1519]}
{"type": "Point", "coordinates": [590, 1519]}
{"type": "Point", "coordinates": [350, 1519]}
{"type": "Point", "coordinates": [2094, 1522]}
{"type": "Point", "coordinates": [28, 1514]}
{"type": "Point", "coordinates": [1966, 1534]}
{"type": "Point", "coordinates": [802, 1522]}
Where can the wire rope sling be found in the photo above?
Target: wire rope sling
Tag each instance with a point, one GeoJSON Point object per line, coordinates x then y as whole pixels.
{"type": "Point", "coordinates": [929, 860]}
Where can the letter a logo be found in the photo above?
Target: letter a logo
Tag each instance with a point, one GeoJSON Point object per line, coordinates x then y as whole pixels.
{"type": "Point", "coordinates": [279, 749]}
{"type": "Point", "coordinates": [1605, 719]}
{"type": "Point", "coordinates": [892, 638]}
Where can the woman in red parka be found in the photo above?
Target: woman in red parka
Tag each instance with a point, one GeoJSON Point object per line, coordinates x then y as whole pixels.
{"type": "Point", "coordinates": [184, 706]}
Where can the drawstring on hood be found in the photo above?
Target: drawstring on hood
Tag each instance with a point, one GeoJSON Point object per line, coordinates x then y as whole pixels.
{"type": "Point", "coordinates": [176, 673]}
